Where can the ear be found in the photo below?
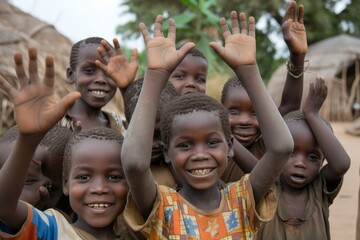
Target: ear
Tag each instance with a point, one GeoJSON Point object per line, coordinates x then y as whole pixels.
{"type": "Point", "coordinates": [70, 75]}
{"type": "Point", "coordinates": [230, 153]}
{"type": "Point", "coordinates": [165, 151]}
{"type": "Point", "coordinates": [66, 187]}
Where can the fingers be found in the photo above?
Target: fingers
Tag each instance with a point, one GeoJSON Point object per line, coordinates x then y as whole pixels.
{"type": "Point", "coordinates": [66, 102]}
{"type": "Point", "coordinates": [49, 71]}
{"type": "Point", "coordinates": [144, 33]}
{"type": "Point", "coordinates": [217, 48]}
{"type": "Point", "coordinates": [234, 22]}
{"type": "Point", "coordinates": [158, 26]}
{"type": "Point", "coordinates": [290, 12]}
{"type": "Point", "coordinates": [33, 69]}
{"type": "Point", "coordinates": [20, 71]}
{"type": "Point", "coordinates": [172, 29]}
{"type": "Point", "coordinates": [301, 14]}
{"type": "Point", "coordinates": [135, 56]}
{"type": "Point", "coordinates": [243, 23]}
{"type": "Point", "coordinates": [117, 46]}
{"type": "Point", "coordinates": [224, 28]}
{"type": "Point", "coordinates": [185, 49]}
{"type": "Point", "coordinates": [252, 26]}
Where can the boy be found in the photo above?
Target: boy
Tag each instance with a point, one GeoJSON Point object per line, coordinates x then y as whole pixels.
{"type": "Point", "coordinates": [92, 173]}
{"type": "Point", "coordinates": [307, 187]}
{"type": "Point", "coordinates": [197, 141]}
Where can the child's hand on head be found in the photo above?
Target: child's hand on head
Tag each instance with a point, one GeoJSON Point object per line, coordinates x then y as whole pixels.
{"type": "Point", "coordinates": [294, 30]}
{"type": "Point", "coordinates": [36, 110]}
{"type": "Point", "coordinates": [116, 66]}
{"type": "Point", "coordinates": [316, 96]}
{"type": "Point", "coordinates": [161, 51]}
{"type": "Point", "coordinates": [240, 45]}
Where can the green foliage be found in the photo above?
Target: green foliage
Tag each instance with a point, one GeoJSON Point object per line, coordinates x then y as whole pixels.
{"type": "Point", "coordinates": [198, 21]}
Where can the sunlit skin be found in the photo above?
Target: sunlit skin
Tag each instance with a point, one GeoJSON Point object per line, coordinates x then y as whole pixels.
{"type": "Point", "coordinates": [96, 185]}
{"type": "Point", "coordinates": [242, 117]}
{"type": "Point", "coordinates": [198, 151]}
{"type": "Point", "coordinates": [305, 161]}
{"type": "Point", "coordinates": [39, 190]}
{"type": "Point", "coordinates": [190, 75]}
{"type": "Point", "coordinates": [95, 86]}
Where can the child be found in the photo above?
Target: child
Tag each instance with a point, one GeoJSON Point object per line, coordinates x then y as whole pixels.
{"type": "Point", "coordinates": [191, 73]}
{"type": "Point", "coordinates": [196, 139]}
{"type": "Point", "coordinates": [95, 85]}
{"type": "Point", "coordinates": [242, 116]}
{"type": "Point", "coordinates": [92, 173]}
{"type": "Point", "coordinates": [307, 187]}
{"type": "Point", "coordinates": [43, 185]}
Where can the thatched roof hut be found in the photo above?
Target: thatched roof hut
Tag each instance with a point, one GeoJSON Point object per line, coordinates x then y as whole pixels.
{"type": "Point", "coordinates": [18, 31]}
{"type": "Point", "coordinates": [337, 59]}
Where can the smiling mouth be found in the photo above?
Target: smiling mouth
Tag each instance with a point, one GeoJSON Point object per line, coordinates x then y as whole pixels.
{"type": "Point", "coordinates": [99, 205]}
{"type": "Point", "coordinates": [98, 93]}
{"type": "Point", "coordinates": [200, 172]}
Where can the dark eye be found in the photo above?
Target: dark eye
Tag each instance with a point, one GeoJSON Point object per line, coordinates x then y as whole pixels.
{"type": "Point", "coordinates": [313, 157]}
{"type": "Point", "coordinates": [213, 142]}
{"type": "Point", "coordinates": [115, 178]}
{"type": "Point", "coordinates": [184, 146]}
{"type": "Point", "coordinates": [253, 113]}
{"type": "Point", "coordinates": [89, 70]}
{"type": "Point", "coordinates": [200, 79]}
{"type": "Point", "coordinates": [83, 177]}
{"type": "Point", "coordinates": [292, 154]}
{"type": "Point", "coordinates": [30, 181]}
{"type": "Point", "coordinates": [233, 111]}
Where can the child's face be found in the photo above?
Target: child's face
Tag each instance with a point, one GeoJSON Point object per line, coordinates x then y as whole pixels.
{"type": "Point", "coordinates": [305, 161]}
{"type": "Point", "coordinates": [38, 189]}
{"type": "Point", "coordinates": [242, 117]}
{"type": "Point", "coordinates": [95, 86]}
{"type": "Point", "coordinates": [190, 75]}
{"type": "Point", "coordinates": [96, 186]}
{"type": "Point", "coordinates": [198, 149]}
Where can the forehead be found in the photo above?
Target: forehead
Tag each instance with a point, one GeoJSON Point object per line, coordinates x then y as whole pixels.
{"type": "Point", "coordinates": [191, 62]}
{"type": "Point", "coordinates": [195, 122]}
{"type": "Point", "coordinates": [88, 52]}
{"type": "Point", "coordinates": [238, 94]}
{"type": "Point", "coordinates": [302, 134]}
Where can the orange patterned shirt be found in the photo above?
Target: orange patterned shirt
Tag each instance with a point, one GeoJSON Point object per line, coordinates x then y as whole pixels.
{"type": "Point", "coordinates": [173, 217]}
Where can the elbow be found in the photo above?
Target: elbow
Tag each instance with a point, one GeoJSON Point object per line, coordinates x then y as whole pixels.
{"type": "Point", "coordinates": [283, 148]}
{"type": "Point", "coordinates": [342, 168]}
{"type": "Point", "coordinates": [133, 163]}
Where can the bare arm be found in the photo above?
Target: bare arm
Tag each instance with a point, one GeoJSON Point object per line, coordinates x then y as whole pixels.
{"type": "Point", "coordinates": [243, 158]}
{"type": "Point", "coordinates": [162, 58]}
{"type": "Point", "coordinates": [240, 54]}
{"type": "Point", "coordinates": [36, 112]}
{"type": "Point", "coordinates": [338, 161]}
{"type": "Point", "coordinates": [295, 37]}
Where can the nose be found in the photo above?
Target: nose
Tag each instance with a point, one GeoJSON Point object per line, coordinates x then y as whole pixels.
{"type": "Point", "coordinates": [299, 161]}
{"type": "Point", "coordinates": [101, 77]}
{"type": "Point", "coordinates": [241, 119]}
{"type": "Point", "coordinates": [99, 185]}
{"type": "Point", "coordinates": [199, 153]}
{"type": "Point", "coordinates": [45, 188]}
{"type": "Point", "coordinates": [190, 82]}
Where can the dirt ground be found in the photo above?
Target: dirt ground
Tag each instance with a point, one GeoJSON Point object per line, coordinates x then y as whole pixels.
{"type": "Point", "coordinates": [343, 212]}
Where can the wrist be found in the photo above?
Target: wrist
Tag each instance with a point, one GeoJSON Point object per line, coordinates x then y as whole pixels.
{"type": "Point", "coordinates": [297, 70]}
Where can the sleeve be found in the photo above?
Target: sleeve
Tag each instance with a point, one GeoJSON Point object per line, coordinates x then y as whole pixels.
{"type": "Point", "coordinates": [321, 183]}
{"type": "Point", "coordinates": [38, 225]}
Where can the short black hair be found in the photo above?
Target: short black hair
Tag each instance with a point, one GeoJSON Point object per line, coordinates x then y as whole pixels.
{"type": "Point", "coordinates": [298, 115]}
{"type": "Point", "coordinates": [99, 133]}
{"type": "Point", "coordinates": [55, 140]}
{"type": "Point", "coordinates": [132, 94]}
{"type": "Point", "coordinates": [233, 82]}
{"type": "Point", "coordinates": [190, 103]}
{"type": "Point", "coordinates": [195, 52]}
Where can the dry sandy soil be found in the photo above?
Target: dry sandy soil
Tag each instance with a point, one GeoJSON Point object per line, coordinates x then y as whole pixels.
{"type": "Point", "coordinates": [343, 212]}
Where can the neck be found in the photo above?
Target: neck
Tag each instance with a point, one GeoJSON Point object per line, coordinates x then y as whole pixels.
{"type": "Point", "coordinates": [207, 199]}
{"type": "Point", "coordinates": [98, 233]}
{"type": "Point", "coordinates": [80, 108]}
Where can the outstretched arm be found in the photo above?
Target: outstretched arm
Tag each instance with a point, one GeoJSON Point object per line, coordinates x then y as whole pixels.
{"type": "Point", "coordinates": [336, 156]}
{"type": "Point", "coordinates": [36, 112]}
{"type": "Point", "coordinates": [295, 38]}
{"type": "Point", "coordinates": [117, 66]}
{"type": "Point", "coordinates": [240, 54]}
{"type": "Point", "coordinates": [162, 59]}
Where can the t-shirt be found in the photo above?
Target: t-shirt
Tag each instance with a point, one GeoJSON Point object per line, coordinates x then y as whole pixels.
{"type": "Point", "coordinates": [314, 224]}
{"type": "Point", "coordinates": [173, 217]}
{"type": "Point", "coordinates": [49, 224]}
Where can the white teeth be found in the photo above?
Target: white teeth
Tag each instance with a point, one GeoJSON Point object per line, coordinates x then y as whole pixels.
{"type": "Point", "coordinates": [201, 171]}
{"type": "Point", "coordinates": [99, 205]}
{"type": "Point", "coordinates": [98, 92]}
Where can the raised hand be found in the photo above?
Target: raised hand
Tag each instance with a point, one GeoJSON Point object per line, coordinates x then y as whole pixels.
{"type": "Point", "coordinates": [316, 97]}
{"type": "Point", "coordinates": [116, 66]}
{"type": "Point", "coordinates": [36, 110]}
{"type": "Point", "coordinates": [294, 30]}
{"type": "Point", "coordinates": [161, 51]}
{"type": "Point", "coordinates": [240, 46]}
